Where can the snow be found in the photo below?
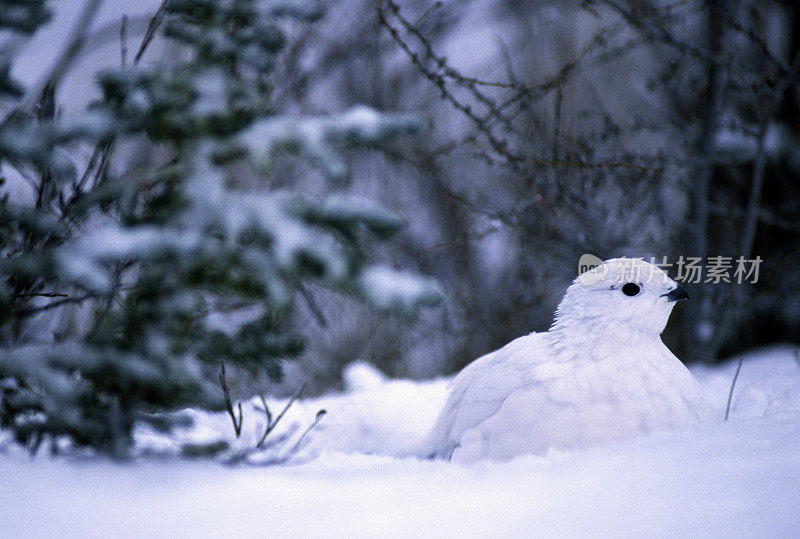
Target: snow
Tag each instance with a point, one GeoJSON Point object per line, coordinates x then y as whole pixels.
{"type": "Point", "coordinates": [734, 478]}
{"type": "Point", "coordinates": [399, 291]}
{"type": "Point", "coordinates": [212, 93]}
{"type": "Point", "coordinates": [315, 137]}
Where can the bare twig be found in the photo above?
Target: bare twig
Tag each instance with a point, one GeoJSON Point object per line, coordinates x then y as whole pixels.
{"type": "Point", "coordinates": [155, 22]}
{"type": "Point", "coordinates": [506, 59]}
{"type": "Point", "coordinates": [272, 424]}
{"type": "Point", "coordinates": [499, 145]}
{"type": "Point", "coordinates": [96, 164]}
{"type": "Point", "coordinates": [317, 419]}
{"type": "Point", "coordinates": [500, 114]}
{"type": "Point", "coordinates": [312, 305]}
{"type": "Point", "coordinates": [237, 424]}
{"type": "Point", "coordinates": [658, 33]}
{"type": "Point", "coordinates": [43, 295]}
{"type": "Point", "coordinates": [733, 384]}
{"type": "Point", "coordinates": [123, 42]}
{"type": "Point", "coordinates": [758, 41]}
{"type": "Point", "coordinates": [466, 238]}
{"type": "Point", "coordinates": [242, 455]}
{"type": "Point", "coordinates": [53, 305]}
{"type": "Point", "coordinates": [427, 14]}
{"type": "Point", "coordinates": [108, 33]}
{"type": "Point", "coordinates": [757, 183]}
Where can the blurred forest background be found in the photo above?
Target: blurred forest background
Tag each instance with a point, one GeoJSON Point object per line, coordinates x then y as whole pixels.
{"type": "Point", "coordinates": [636, 128]}
{"type": "Point", "coordinates": [555, 128]}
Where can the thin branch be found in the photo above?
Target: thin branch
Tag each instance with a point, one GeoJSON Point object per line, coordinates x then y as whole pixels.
{"type": "Point", "coordinates": [499, 145]}
{"type": "Point", "coordinates": [98, 155]}
{"type": "Point", "coordinates": [155, 22]}
{"type": "Point", "coordinates": [103, 149]}
{"type": "Point", "coordinates": [758, 41]}
{"type": "Point", "coordinates": [464, 239]}
{"type": "Point", "coordinates": [757, 183]}
{"type": "Point", "coordinates": [506, 59]}
{"type": "Point", "coordinates": [427, 14]}
{"type": "Point", "coordinates": [442, 75]}
{"type": "Point", "coordinates": [656, 32]}
{"type": "Point", "coordinates": [660, 34]}
{"type": "Point", "coordinates": [108, 33]}
{"type": "Point", "coordinates": [123, 42]}
{"type": "Point", "coordinates": [55, 304]}
{"type": "Point", "coordinates": [317, 419]}
{"type": "Point", "coordinates": [272, 425]}
{"type": "Point", "coordinates": [237, 424]}
{"type": "Point", "coordinates": [312, 305]}
{"type": "Point", "coordinates": [733, 384]}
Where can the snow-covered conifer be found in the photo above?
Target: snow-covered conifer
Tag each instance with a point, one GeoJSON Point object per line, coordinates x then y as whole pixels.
{"type": "Point", "coordinates": [138, 261]}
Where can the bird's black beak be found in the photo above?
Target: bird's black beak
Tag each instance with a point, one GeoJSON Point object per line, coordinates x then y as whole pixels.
{"type": "Point", "coordinates": [676, 294]}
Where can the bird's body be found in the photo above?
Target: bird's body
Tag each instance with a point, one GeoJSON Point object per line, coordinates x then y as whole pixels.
{"type": "Point", "coordinates": [601, 373]}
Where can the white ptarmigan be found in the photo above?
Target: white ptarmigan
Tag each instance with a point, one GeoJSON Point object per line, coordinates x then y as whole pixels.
{"type": "Point", "coordinates": [600, 373]}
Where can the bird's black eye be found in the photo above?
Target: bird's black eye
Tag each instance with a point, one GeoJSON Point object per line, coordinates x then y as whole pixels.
{"type": "Point", "coordinates": [631, 289]}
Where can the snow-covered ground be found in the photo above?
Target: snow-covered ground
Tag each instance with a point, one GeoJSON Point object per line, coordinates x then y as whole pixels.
{"type": "Point", "coordinates": [353, 477]}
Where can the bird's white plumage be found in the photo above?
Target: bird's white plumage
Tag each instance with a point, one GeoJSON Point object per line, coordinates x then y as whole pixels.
{"type": "Point", "coordinates": [600, 373]}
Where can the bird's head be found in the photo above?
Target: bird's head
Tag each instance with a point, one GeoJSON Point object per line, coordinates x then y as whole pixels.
{"type": "Point", "coordinates": [621, 296]}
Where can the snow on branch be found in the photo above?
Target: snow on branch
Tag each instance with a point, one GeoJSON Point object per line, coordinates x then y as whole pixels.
{"type": "Point", "coordinates": [317, 137]}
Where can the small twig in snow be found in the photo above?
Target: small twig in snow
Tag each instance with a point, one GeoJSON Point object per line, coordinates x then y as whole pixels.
{"type": "Point", "coordinates": [237, 424]}
{"type": "Point", "coordinates": [243, 455]}
{"type": "Point", "coordinates": [733, 384]}
{"type": "Point", "coordinates": [320, 415]}
{"type": "Point", "coordinates": [272, 424]}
